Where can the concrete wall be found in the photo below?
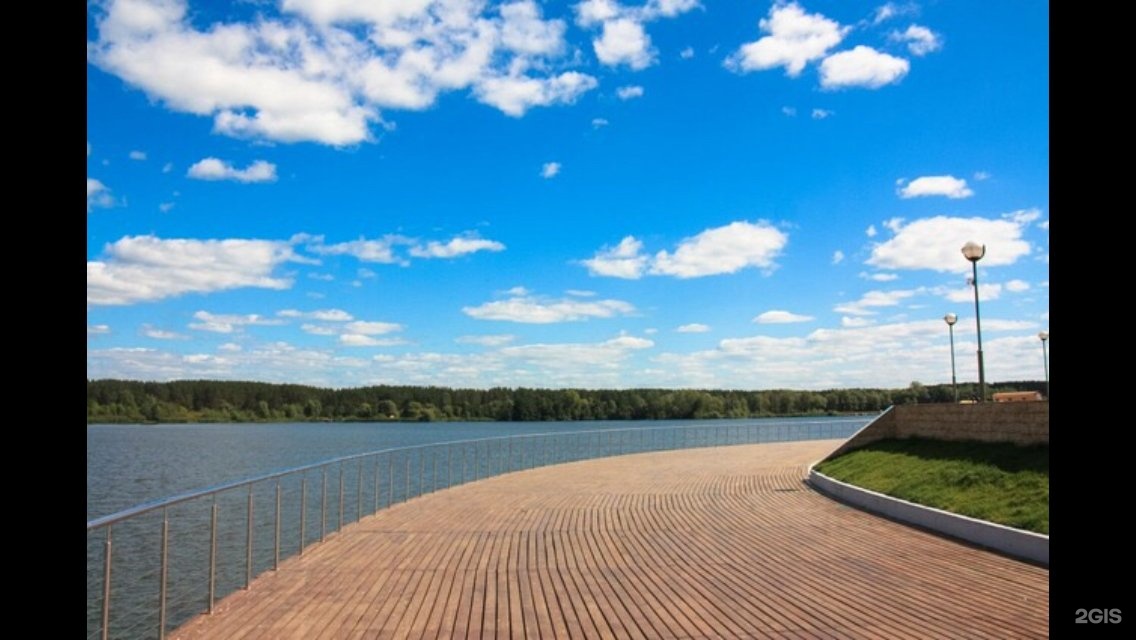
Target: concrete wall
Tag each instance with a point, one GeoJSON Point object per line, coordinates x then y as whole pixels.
{"type": "Point", "coordinates": [1018, 422]}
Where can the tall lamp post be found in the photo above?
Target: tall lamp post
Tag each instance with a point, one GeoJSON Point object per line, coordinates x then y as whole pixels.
{"type": "Point", "coordinates": [951, 319]}
{"type": "Point", "coordinates": [1044, 335]}
{"type": "Point", "coordinates": [974, 252]}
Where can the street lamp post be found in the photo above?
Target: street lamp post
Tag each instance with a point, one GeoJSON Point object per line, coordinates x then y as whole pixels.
{"type": "Point", "coordinates": [951, 319]}
{"type": "Point", "coordinates": [974, 252]}
{"type": "Point", "coordinates": [1044, 335]}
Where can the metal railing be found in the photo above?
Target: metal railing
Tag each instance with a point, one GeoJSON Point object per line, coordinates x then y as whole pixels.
{"type": "Point", "coordinates": [137, 589]}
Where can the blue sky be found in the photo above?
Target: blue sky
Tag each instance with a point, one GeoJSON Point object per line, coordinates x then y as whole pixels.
{"type": "Point", "coordinates": [591, 194]}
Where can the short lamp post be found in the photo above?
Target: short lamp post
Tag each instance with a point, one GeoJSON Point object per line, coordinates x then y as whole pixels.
{"type": "Point", "coordinates": [974, 252]}
{"type": "Point", "coordinates": [951, 319]}
{"type": "Point", "coordinates": [1044, 335]}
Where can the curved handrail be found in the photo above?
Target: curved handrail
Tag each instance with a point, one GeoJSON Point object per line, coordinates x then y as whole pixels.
{"type": "Point", "coordinates": [539, 455]}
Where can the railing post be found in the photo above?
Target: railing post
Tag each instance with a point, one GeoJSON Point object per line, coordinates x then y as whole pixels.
{"type": "Point", "coordinates": [303, 508]}
{"type": "Point", "coordinates": [476, 467]}
{"type": "Point", "coordinates": [164, 574]}
{"type": "Point", "coordinates": [406, 496]}
{"type": "Point", "coordinates": [107, 549]}
{"type": "Point", "coordinates": [248, 542]}
{"type": "Point", "coordinates": [359, 494]}
{"type": "Point", "coordinates": [323, 503]}
{"type": "Point", "coordinates": [340, 528]}
{"type": "Point", "coordinates": [509, 462]}
{"type": "Point", "coordinates": [276, 538]}
{"type": "Point", "coordinates": [213, 554]}
{"type": "Point", "coordinates": [434, 460]}
{"type": "Point", "coordinates": [449, 466]}
{"type": "Point", "coordinates": [390, 480]}
{"type": "Point", "coordinates": [376, 509]}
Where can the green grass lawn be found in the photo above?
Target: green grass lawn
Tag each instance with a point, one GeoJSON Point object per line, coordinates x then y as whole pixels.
{"type": "Point", "coordinates": [998, 482]}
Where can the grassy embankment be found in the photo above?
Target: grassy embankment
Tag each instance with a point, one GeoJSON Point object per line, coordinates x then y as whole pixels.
{"type": "Point", "coordinates": [997, 482]}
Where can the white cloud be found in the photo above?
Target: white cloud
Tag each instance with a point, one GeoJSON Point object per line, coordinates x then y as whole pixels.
{"type": "Point", "coordinates": [871, 231]}
{"type": "Point", "coordinates": [979, 176]}
{"type": "Point", "coordinates": [986, 291]}
{"type": "Point", "coordinates": [97, 329]}
{"type": "Point", "coordinates": [321, 71]}
{"type": "Point", "coordinates": [380, 250]}
{"type": "Point", "coordinates": [364, 273]}
{"type": "Point", "coordinates": [486, 340]}
{"type": "Point", "coordinates": [372, 328]}
{"type": "Point", "coordinates": [624, 260]}
{"type": "Point", "coordinates": [861, 67]}
{"type": "Point", "coordinates": [517, 291]}
{"type": "Point", "coordinates": [777, 316]}
{"type": "Point", "coordinates": [694, 327]}
{"type": "Point", "coordinates": [789, 111]}
{"type": "Point", "coordinates": [168, 167]}
{"type": "Point", "coordinates": [549, 170]}
{"type": "Point", "coordinates": [514, 95]}
{"type": "Point", "coordinates": [1017, 286]}
{"type": "Point", "coordinates": [893, 10]}
{"type": "Point", "coordinates": [319, 329]}
{"type": "Point", "coordinates": [580, 293]}
{"type": "Point", "coordinates": [166, 207]}
{"type": "Point", "coordinates": [535, 310]}
{"type": "Point", "coordinates": [88, 148]}
{"type": "Point", "coordinates": [795, 39]}
{"type": "Point", "coordinates": [599, 122]}
{"type": "Point", "coordinates": [949, 186]}
{"type": "Point", "coordinates": [144, 268]}
{"type": "Point", "coordinates": [593, 12]}
{"type": "Point", "coordinates": [935, 243]}
{"type": "Point", "coordinates": [137, 155]}
{"type": "Point", "coordinates": [98, 195]}
{"type": "Point", "coordinates": [1043, 225]}
{"type": "Point", "coordinates": [229, 323]}
{"type": "Point", "coordinates": [574, 356]}
{"type": "Point", "coordinates": [858, 321]}
{"type": "Point", "coordinates": [629, 92]}
{"type": "Point", "coordinates": [230, 347]}
{"type": "Point", "coordinates": [879, 277]}
{"type": "Point", "coordinates": [873, 299]}
{"type": "Point", "coordinates": [837, 256]}
{"type": "Point", "coordinates": [726, 249]}
{"type": "Point", "coordinates": [161, 334]}
{"type": "Point", "coordinates": [920, 40]}
{"type": "Point", "coordinates": [215, 169]}
{"type": "Point", "coordinates": [821, 114]}
{"type": "Point", "coordinates": [456, 247]}
{"type": "Point", "coordinates": [363, 340]}
{"type": "Point", "coordinates": [624, 41]}
{"type": "Point", "coordinates": [323, 315]}
{"type": "Point", "coordinates": [687, 53]}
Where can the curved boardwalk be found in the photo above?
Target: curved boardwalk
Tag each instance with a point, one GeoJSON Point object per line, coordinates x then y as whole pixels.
{"type": "Point", "coordinates": [702, 543]}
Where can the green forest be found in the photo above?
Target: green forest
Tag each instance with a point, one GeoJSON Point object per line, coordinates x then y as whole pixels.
{"type": "Point", "coordinates": [128, 401]}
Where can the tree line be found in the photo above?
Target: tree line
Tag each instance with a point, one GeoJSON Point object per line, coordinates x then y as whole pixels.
{"type": "Point", "coordinates": [130, 401]}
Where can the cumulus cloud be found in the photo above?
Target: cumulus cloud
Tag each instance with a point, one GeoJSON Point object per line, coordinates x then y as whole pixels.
{"type": "Point", "coordinates": [949, 186]}
{"type": "Point", "coordinates": [624, 260]}
{"type": "Point", "coordinates": [144, 268]}
{"type": "Point", "coordinates": [935, 243]}
{"type": "Point", "coordinates": [794, 39]}
{"type": "Point", "coordinates": [380, 250]}
{"type": "Point", "coordinates": [321, 71]}
{"type": "Point", "coordinates": [624, 41]}
{"type": "Point", "coordinates": [1017, 286]}
{"type": "Point", "coordinates": [920, 40]}
{"type": "Point", "coordinates": [629, 92]}
{"type": "Point", "coordinates": [456, 247]}
{"type": "Point", "coordinates": [499, 340]}
{"type": "Point", "coordinates": [777, 316]}
{"type": "Point", "coordinates": [534, 310]}
{"type": "Point", "coordinates": [216, 169]}
{"type": "Point", "coordinates": [862, 66]}
{"type": "Point", "coordinates": [229, 323]}
{"type": "Point", "coordinates": [893, 10]}
{"type": "Point", "coordinates": [549, 170]}
{"type": "Point", "coordinates": [98, 195]}
{"type": "Point", "coordinates": [872, 300]}
{"type": "Point", "coordinates": [161, 334]}
{"type": "Point", "coordinates": [623, 38]}
{"type": "Point", "coordinates": [726, 249]}
{"type": "Point", "coordinates": [694, 327]}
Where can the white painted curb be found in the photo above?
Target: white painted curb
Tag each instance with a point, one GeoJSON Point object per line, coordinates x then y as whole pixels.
{"type": "Point", "coordinates": [1014, 542]}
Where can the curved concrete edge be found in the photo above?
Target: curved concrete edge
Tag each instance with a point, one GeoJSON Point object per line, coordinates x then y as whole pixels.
{"type": "Point", "coordinates": [1026, 545]}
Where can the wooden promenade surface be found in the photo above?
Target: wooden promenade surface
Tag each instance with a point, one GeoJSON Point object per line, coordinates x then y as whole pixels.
{"type": "Point", "coordinates": [703, 543]}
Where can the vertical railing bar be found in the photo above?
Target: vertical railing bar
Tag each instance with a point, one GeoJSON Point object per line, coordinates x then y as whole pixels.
{"type": "Point", "coordinates": [450, 466]}
{"type": "Point", "coordinates": [434, 460]}
{"type": "Point", "coordinates": [108, 547]}
{"type": "Point", "coordinates": [248, 542]}
{"type": "Point", "coordinates": [359, 494]}
{"type": "Point", "coordinates": [340, 527]}
{"type": "Point", "coordinates": [390, 480]}
{"type": "Point", "coordinates": [406, 495]}
{"type": "Point", "coordinates": [303, 508]}
{"type": "Point", "coordinates": [376, 510]}
{"type": "Point", "coordinates": [213, 554]}
{"type": "Point", "coordinates": [323, 502]}
{"type": "Point", "coordinates": [276, 539]}
{"type": "Point", "coordinates": [164, 574]}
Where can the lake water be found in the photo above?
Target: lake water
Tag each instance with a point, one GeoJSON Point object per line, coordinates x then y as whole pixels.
{"type": "Point", "coordinates": [132, 464]}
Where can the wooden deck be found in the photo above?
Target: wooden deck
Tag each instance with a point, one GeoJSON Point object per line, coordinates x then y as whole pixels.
{"type": "Point", "coordinates": [703, 543]}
